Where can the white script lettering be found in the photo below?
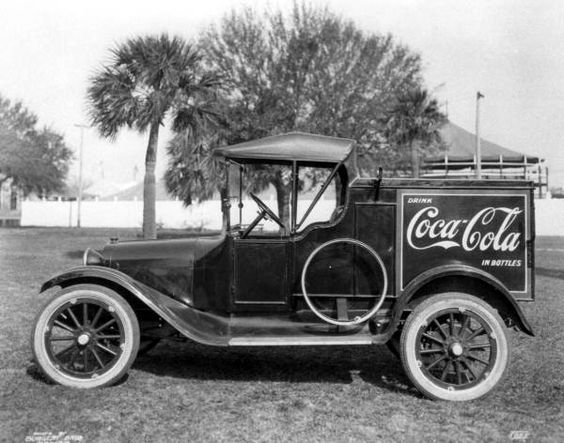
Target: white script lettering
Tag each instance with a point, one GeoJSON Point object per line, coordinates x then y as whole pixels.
{"type": "Point", "coordinates": [426, 225]}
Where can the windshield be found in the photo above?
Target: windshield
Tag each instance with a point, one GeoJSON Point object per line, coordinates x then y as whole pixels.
{"type": "Point", "coordinates": [262, 198]}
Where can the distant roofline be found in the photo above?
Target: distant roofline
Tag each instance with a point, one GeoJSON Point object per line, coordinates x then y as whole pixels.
{"type": "Point", "coordinates": [461, 148]}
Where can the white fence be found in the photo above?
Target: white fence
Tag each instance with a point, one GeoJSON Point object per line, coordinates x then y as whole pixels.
{"type": "Point", "coordinates": [120, 214]}
{"type": "Point", "coordinates": [172, 214]}
{"type": "Point", "coordinates": [169, 214]}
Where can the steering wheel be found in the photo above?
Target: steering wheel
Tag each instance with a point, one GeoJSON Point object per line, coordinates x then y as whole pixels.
{"type": "Point", "coordinates": [266, 210]}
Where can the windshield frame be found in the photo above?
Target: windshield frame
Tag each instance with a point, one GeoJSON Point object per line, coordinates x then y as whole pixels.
{"type": "Point", "coordinates": [338, 169]}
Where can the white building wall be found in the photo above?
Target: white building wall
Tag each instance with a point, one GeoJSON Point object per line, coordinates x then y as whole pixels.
{"type": "Point", "coordinates": [549, 216]}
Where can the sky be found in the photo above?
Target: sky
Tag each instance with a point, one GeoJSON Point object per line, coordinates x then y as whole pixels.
{"type": "Point", "coordinates": [509, 50]}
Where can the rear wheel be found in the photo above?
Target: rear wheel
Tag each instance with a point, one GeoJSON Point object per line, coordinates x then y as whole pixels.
{"type": "Point", "coordinates": [85, 337]}
{"type": "Point", "coordinates": [453, 347]}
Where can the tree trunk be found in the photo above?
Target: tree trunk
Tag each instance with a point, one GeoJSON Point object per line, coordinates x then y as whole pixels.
{"type": "Point", "coordinates": [283, 200]}
{"type": "Point", "coordinates": [149, 185]}
{"type": "Point", "coordinates": [414, 146]}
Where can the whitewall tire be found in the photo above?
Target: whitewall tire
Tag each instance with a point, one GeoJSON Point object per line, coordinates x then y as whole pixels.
{"type": "Point", "coordinates": [86, 336]}
{"type": "Point", "coordinates": [454, 347]}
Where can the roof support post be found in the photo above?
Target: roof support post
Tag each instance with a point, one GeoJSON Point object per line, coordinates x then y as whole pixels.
{"type": "Point", "coordinates": [294, 204]}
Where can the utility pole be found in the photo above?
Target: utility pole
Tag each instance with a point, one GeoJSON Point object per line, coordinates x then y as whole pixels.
{"type": "Point", "coordinates": [79, 196]}
{"type": "Point", "coordinates": [479, 95]}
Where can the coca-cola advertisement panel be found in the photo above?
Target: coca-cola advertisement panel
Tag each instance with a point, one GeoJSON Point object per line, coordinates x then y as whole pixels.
{"type": "Point", "coordinates": [486, 230]}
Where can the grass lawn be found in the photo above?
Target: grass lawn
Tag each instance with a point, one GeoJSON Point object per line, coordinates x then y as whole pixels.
{"type": "Point", "coordinates": [187, 392]}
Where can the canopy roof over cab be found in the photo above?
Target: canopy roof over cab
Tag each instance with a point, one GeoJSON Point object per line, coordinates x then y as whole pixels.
{"type": "Point", "coordinates": [293, 146]}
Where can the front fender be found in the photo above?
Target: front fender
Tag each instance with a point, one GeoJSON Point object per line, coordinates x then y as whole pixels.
{"type": "Point", "coordinates": [436, 274]}
{"type": "Point", "coordinates": [202, 327]}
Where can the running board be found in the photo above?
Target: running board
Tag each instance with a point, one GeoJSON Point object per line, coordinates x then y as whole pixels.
{"type": "Point", "coordinates": [301, 341]}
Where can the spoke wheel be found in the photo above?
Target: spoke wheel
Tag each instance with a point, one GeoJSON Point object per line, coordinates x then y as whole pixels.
{"type": "Point", "coordinates": [86, 336]}
{"type": "Point", "coordinates": [453, 347]}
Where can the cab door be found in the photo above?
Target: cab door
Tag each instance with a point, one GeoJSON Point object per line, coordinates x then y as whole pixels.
{"type": "Point", "coordinates": [260, 273]}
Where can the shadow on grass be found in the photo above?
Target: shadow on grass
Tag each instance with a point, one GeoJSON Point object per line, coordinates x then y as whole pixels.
{"type": "Point", "coordinates": [553, 273]}
{"type": "Point", "coordinates": [374, 365]}
{"type": "Point", "coordinates": [34, 372]}
{"type": "Point", "coordinates": [341, 365]}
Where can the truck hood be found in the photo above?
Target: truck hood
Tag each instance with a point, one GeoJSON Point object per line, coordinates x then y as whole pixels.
{"type": "Point", "coordinates": [165, 265]}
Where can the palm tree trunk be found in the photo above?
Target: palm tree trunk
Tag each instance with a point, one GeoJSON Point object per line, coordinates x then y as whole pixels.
{"type": "Point", "coordinates": [149, 185]}
{"type": "Point", "coordinates": [414, 146]}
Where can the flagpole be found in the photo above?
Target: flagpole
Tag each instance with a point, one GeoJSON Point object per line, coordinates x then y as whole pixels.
{"type": "Point", "coordinates": [479, 95]}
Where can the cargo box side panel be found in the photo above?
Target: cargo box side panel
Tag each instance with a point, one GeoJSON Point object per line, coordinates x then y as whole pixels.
{"type": "Point", "coordinates": [482, 228]}
{"type": "Point", "coordinates": [375, 225]}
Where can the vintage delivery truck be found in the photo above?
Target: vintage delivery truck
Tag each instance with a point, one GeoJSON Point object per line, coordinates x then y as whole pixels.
{"type": "Point", "coordinates": [435, 269]}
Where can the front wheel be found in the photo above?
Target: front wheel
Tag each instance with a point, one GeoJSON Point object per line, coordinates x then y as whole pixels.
{"type": "Point", "coordinates": [453, 347]}
{"type": "Point", "coordinates": [86, 336]}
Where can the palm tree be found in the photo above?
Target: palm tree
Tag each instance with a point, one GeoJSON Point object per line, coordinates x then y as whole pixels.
{"type": "Point", "coordinates": [147, 79]}
{"type": "Point", "coordinates": [414, 120]}
{"type": "Point", "coordinates": [193, 172]}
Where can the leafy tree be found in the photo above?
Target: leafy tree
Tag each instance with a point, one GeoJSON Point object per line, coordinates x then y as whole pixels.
{"type": "Point", "coordinates": [17, 118]}
{"type": "Point", "coordinates": [413, 122]}
{"type": "Point", "coordinates": [309, 70]}
{"type": "Point", "coordinates": [148, 80]}
{"type": "Point", "coordinates": [35, 159]}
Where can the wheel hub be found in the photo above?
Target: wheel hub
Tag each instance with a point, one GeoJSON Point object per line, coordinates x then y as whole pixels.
{"type": "Point", "coordinates": [456, 349]}
{"type": "Point", "coordinates": [83, 339]}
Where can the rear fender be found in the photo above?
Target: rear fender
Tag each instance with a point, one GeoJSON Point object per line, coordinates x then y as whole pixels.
{"type": "Point", "coordinates": [456, 276]}
{"type": "Point", "coordinates": [199, 326]}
